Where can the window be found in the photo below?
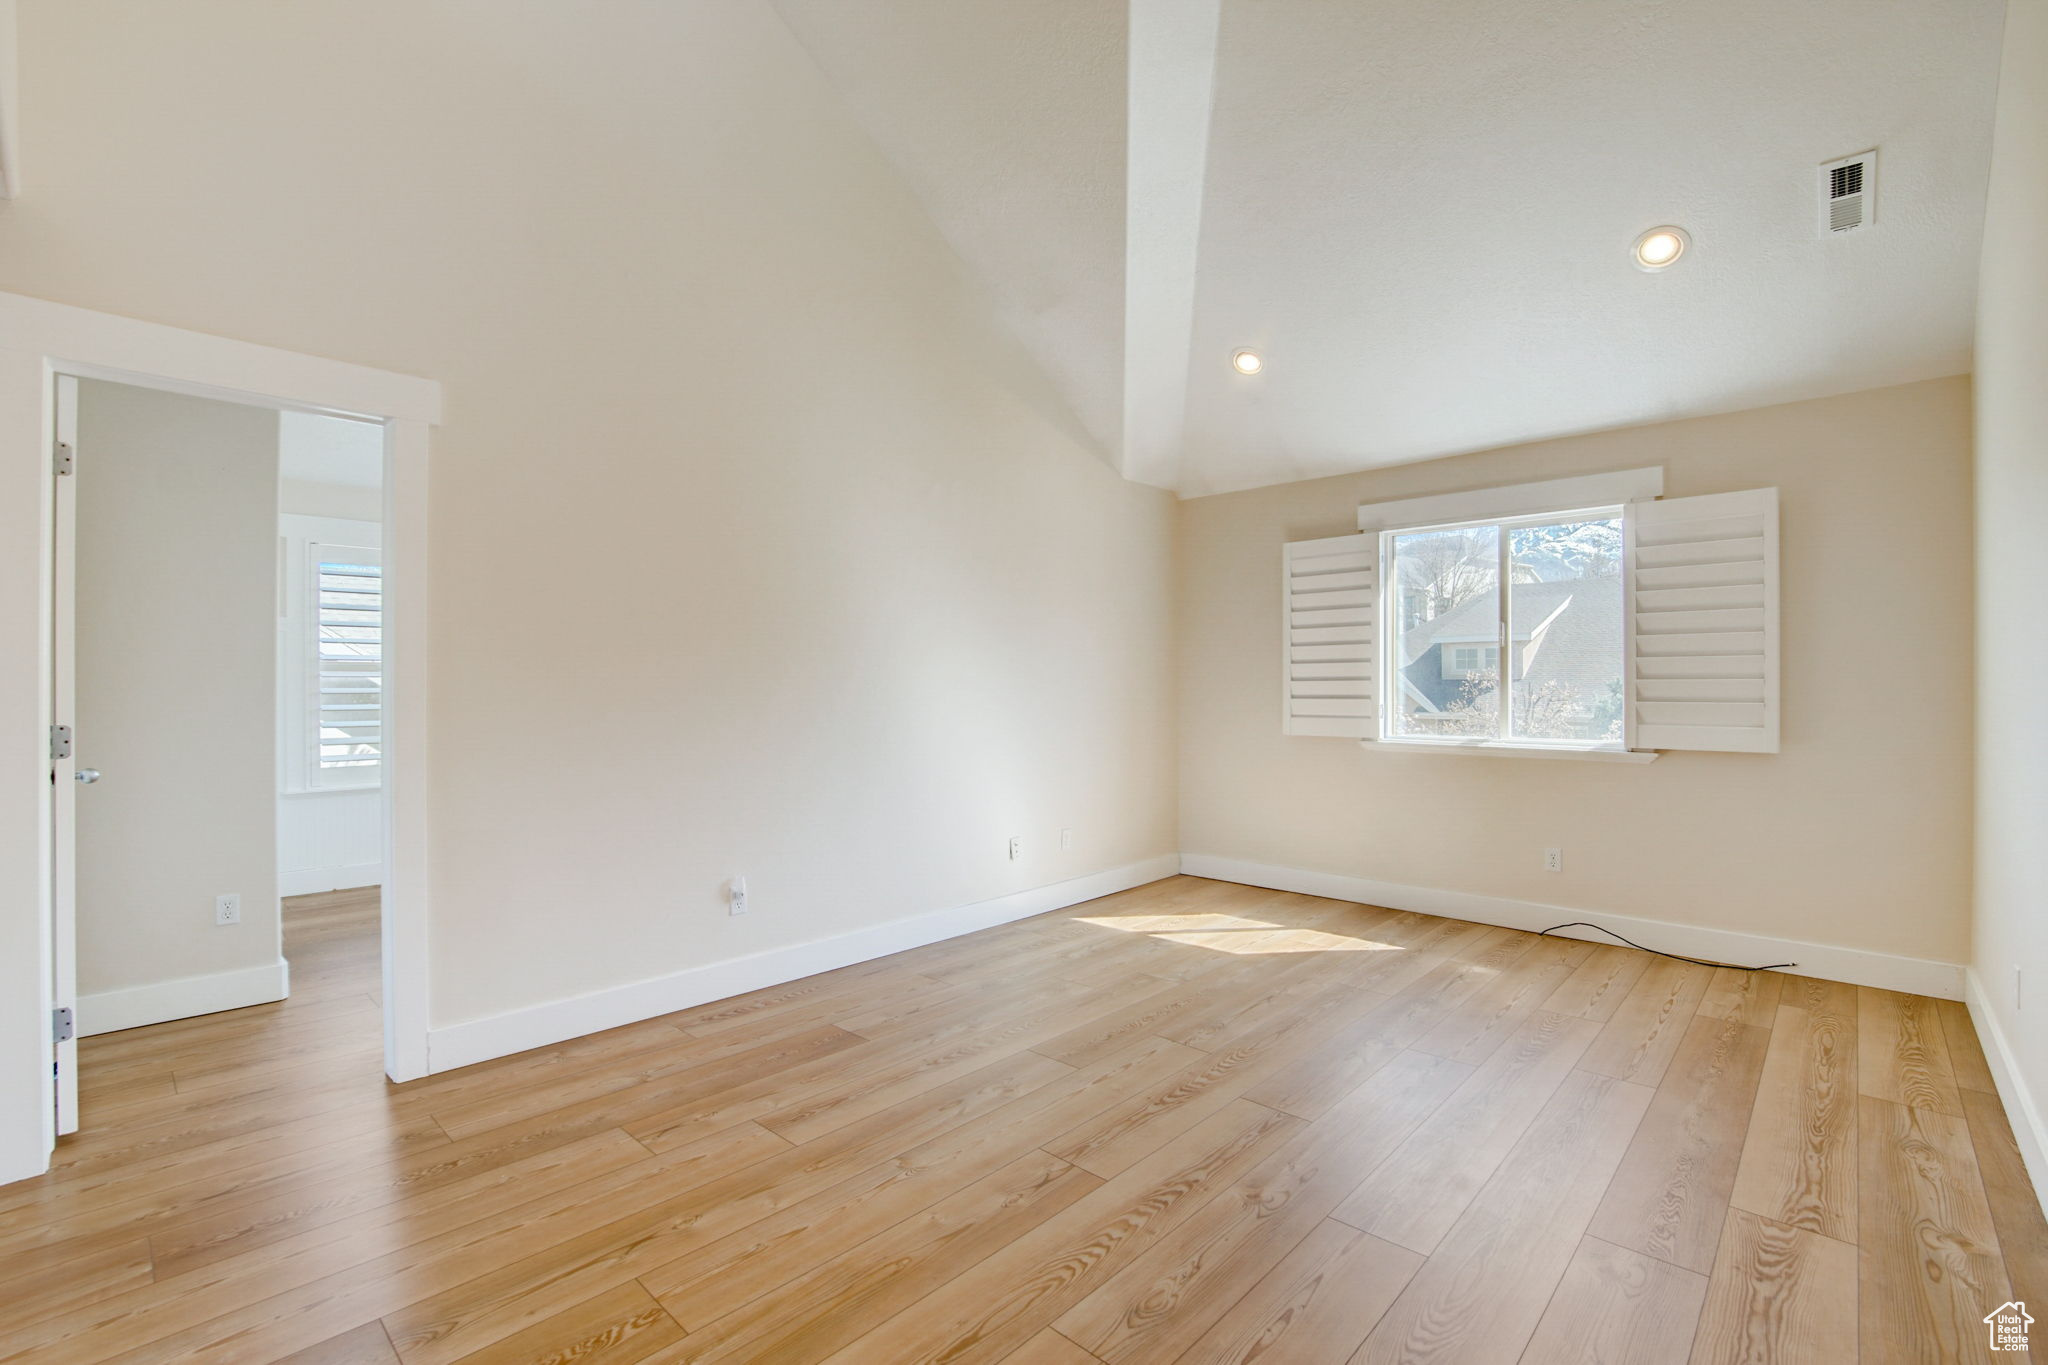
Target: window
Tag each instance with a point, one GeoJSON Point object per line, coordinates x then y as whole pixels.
{"type": "Point", "coordinates": [348, 663]}
{"type": "Point", "coordinates": [1543, 592]}
{"type": "Point", "coordinates": [1494, 621]}
{"type": "Point", "coordinates": [1462, 661]}
{"type": "Point", "coordinates": [330, 654]}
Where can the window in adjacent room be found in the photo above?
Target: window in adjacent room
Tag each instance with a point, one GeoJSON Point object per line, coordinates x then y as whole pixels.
{"type": "Point", "coordinates": [331, 655]}
{"type": "Point", "coordinates": [346, 717]}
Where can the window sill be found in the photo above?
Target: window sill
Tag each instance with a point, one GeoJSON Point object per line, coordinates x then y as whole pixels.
{"type": "Point", "coordinates": [1495, 749]}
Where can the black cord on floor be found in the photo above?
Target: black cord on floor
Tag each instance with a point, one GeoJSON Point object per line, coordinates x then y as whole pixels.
{"type": "Point", "coordinates": [1680, 957]}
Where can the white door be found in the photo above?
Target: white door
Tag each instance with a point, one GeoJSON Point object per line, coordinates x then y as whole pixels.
{"type": "Point", "coordinates": [164, 648]}
{"type": "Point", "coordinates": [66, 775]}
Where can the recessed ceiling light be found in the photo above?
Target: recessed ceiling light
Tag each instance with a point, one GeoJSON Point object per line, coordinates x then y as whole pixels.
{"type": "Point", "coordinates": [1247, 362]}
{"type": "Point", "coordinates": [1660, 247]}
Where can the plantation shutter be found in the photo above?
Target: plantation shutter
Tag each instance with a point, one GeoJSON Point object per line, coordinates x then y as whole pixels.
{"type": "Point", "coordinates": [1331, 632]}
{"type": "Point", "coordinates": [1703, 622]}
{"type": "Point", "coordinates": [348, 673]}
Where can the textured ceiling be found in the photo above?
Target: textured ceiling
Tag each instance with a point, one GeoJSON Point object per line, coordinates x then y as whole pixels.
{"type": "Point", "coordinates": [1421, 213]}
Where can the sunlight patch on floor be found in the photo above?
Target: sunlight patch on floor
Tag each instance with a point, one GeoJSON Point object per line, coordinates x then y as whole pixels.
{"type": "Point", "coordinates": [1190, 923]}
{"type": "Point", "coordinates": [1218, 933]}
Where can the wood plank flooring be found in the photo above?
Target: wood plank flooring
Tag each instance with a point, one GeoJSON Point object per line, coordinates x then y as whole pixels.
{"type": "Point", "coordinates": [1196, 1122]}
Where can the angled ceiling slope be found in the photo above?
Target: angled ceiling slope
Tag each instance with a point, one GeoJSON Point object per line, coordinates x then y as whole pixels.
{"type": "Point", "coordinates": [1421, 215]}
{"type": "Point", "coordinates": [1007, 121]}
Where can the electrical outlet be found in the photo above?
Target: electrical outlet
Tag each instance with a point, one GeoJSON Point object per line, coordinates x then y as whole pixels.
{"type": "Point", "coordinates": [227, 909]}
{"type": "Point", "coordinates": [1066, 840]}
{"type": "Point", "coordinates": [736, 896]}
{"type": "Point", "coordinates": [1016, 848]}
{"type": "Point", "coordinates": [1553, 860]}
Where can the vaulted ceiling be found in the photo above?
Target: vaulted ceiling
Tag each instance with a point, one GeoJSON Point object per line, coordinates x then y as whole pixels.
{"type": "Point", "coordinates": [1421, 214]}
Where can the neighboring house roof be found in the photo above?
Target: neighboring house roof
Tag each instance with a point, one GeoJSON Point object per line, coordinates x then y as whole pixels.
{"type": "Point", "coordinates": [1567, 632]}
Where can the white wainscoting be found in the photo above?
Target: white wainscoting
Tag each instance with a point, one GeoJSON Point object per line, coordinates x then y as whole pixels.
{"type": "Point", "coordinates": [329, 840]}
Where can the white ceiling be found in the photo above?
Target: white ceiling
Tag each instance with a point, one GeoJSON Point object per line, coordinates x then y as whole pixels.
{"type": "Point", "coordinates": [1422, 213]}
{"type": "Point", "coordinates": [312, 448]}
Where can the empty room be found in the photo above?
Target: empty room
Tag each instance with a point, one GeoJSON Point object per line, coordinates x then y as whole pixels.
{"type": "Point", "coordinates": [1087, 682]}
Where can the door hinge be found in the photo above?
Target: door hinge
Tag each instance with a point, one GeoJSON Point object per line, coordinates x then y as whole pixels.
{"type": "Point", "coordinates": [62, 1027]}
{"type": "Point", "coordinates": [60, 742]}
{"type": "Point", "coordinates": [63, 457]}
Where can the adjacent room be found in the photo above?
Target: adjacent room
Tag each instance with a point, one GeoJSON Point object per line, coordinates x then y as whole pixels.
{"type": "Point", "coordinates": [219, 572]}
{"type": "Point", "coordinates": [923, 682]}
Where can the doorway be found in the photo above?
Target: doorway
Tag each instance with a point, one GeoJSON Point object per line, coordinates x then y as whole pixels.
{"type": "Point", "coordinates": [331, 747]}
{"type": "Point", "coordinates": [218, 583]}
{"type": "Point", "coordinates": [43, 344]}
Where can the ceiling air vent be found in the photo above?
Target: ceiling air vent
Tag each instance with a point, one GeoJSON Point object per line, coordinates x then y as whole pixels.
{"type": "Point", "coordinates": [1848, 193]}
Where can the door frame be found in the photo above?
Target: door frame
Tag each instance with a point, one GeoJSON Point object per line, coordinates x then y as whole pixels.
{"type": "Point", "coordinates": [39, 341]}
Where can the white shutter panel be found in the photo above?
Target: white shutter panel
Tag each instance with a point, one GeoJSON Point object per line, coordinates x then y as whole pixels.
{"type": "Point", "coordinates": [348, 666]}
{"type": "Point", "coordinates": [1330, 633]}
{"type": "Point", "coordinates": [1703, 622]}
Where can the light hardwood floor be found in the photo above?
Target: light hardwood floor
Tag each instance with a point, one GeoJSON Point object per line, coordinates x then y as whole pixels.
{"type": "Point", "coordinates": [1195, 1122]}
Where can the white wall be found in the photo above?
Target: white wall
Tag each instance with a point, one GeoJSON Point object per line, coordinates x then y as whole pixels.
{"type": "Point", "coordinates": [176, 585]}
{"type": "Point", "coordinates": [1856, 835]}
{"type": "Point", "coordinates": [311, 499]}
{"type": "Point", "coordinates": [329, 840]}
{"type": "Point", "coordinates": [2012, 639]}
{"type": "Point", "coordinates": [814, 581]}
{"type": "Point", "coordinates": [330, 466]}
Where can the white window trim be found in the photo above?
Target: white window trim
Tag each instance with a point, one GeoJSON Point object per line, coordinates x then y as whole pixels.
{"type": "Point", "coordinates": [1489, 506]}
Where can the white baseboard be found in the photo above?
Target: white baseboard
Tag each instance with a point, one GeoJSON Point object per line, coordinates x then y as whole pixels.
{"type": "Point", "coordinates": [112, 1011]}
{"type": "Point", "coordinates": [1853, 965]}
{"type": "Point", "coordinates": [311, 880]}
{"type": "Point", "coordinates": [2025, 1115]}
{"type": "Point", "coordinates": [500, 1035]}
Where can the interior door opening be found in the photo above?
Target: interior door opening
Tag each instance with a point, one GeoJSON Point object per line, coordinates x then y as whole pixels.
{"type": "Point", "coordinates": [218, 830]}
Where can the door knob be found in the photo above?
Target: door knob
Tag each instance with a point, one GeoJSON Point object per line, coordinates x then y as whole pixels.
{"type": "Point", "coordinates": [87, 775]}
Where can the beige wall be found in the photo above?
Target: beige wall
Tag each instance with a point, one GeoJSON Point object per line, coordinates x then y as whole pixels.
{"type": "Point", "coordinates": [176, 634]}
{"type": "Point", "coordinates": [1855, 835]}
{"type": "Point", "coordinates": [2012, 519]}
{"type": "Point", "coordinates": [816, 582]}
